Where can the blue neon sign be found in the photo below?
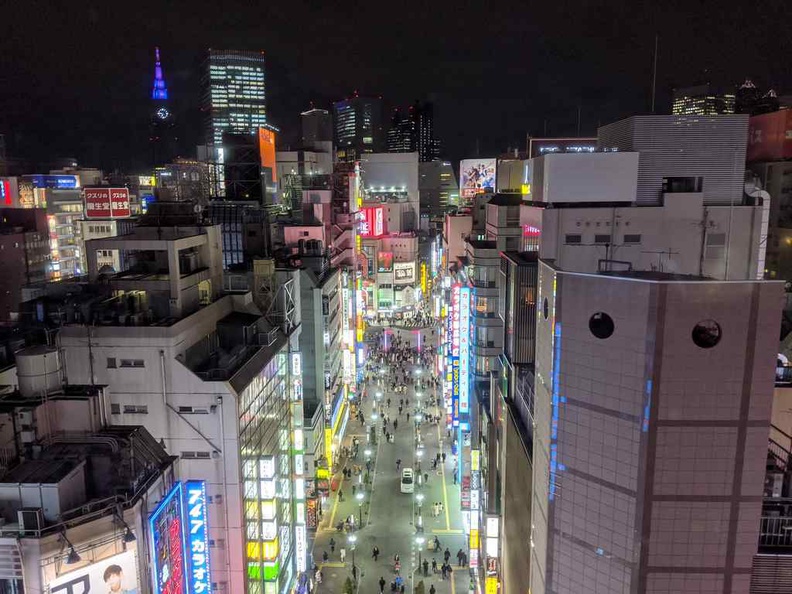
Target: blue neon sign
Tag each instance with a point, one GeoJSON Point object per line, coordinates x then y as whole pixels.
{"type": "Point", "coordinates": [197, 523]}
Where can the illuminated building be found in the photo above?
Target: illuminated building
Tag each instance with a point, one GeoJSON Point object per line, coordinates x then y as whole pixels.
{"type": "Point", "coordinates": [317, 130]}
{"type": "Point", "coordinates": [358, 127]}
{"type": "Point", "coordinates": [218, 383]}
{"type": "Point", "coordinates": [161, 124]}
{"type": "Point", "coordinates": [414, 132]}
{"type": "Point", "coordinates": [701, 101]}
{"type": "Point", "coordinates": [234, 97]}
{"type": "Point", "coordinates": [24, 248]}
{"type": "Point", "coordinates": [652, 406]}
{"type": "Point", "coordinates": [438, 188]}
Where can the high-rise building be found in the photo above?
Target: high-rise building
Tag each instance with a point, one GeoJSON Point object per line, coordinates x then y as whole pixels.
{"type": "Point", "coordinates": [438, 187]}
{"type": "Point", "coordinates": [234, 94]}
{"type": "Point", "coordinates": [414, 132]}
{"type": "Point", "coordinates": [161, 124]}
{"type": "Point", "coordinates": [751, 100]}
{"type": "Point", "coordinates": [358, 127]}
{"type": "Point", "coordinates": [652, 411]}
{"type": "Point", "coordinates": [701, 101]}
{"type": "Point", "coordinates": [317, 129]}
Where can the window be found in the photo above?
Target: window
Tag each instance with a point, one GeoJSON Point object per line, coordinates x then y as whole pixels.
{"type": "Point", "coordinates": [132, 363]}
{"type": "Point", "coordinates": [135, 409]}
{"type": "Point", "coordinates": [601, 325]}
{"type": "Point", "coordinates": [111, 363]}
{"type": "Point", "coordinates": [603, 238]}
{"type": "Point", "coordinates": [115, 409]}
{"type": "Point", "coordinates": [573, 239]}
{"type": "Point", "coordinates": [193, 410]}
{"type": "Point", "coordinates": [196, 455]}
{"type": "Point", "coordinates": [632, 238]}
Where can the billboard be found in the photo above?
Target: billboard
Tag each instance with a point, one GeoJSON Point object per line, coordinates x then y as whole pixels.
{"type": "Point", "coordinates": [106, 203]}
{"type": "Point", "coordinates": [372, 221]}
{"type": "Point", "coordinates": [166, 527]}
{"type": "Point", "coordinates": [476, 176]}
{"type": "Point", "coordinates": [456, 331]}
{"type": "Point", "coordinates": [385, 262]}
{"type": "Point", "coordinates": [770, 136]}
{"type": "Point", "coordinates": [53, 182]}
{"type": "Point", "coordinates": [464, 350]}
{"type": "Point", "coordinates": [114, 574]}
{"type": "Point", "coordinates": [404, 273]}
{"type": "Point", "coordinates": [266, 140]}
{"type": "Point", "coordinates": [197, 530]}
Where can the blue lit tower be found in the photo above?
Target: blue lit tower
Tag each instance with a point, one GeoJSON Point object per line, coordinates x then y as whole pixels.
{"type": "Point", "coordinates": [162, 128]}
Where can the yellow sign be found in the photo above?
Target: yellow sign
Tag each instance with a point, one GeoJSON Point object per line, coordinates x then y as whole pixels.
{"type": "Point", "coordinates": [475, 456]}
{"type": "Point", "coordinates": [525, 189]}
{"type": "Point", "coordinates": [474, 538]}
{"type": "Point", "coordinates": [423, 278]}
{"type": "Point", "coordinates": [329, 446]}
{"type": "Point", "coordinates": [491, 585]}
{"type": "Point", "coordinates": [270, 550]}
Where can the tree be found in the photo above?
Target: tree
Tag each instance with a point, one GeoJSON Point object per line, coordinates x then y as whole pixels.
{"type": "Point", "coordinates": [349, 587]}
{"type": "Point", "coordinates": [420, 588]}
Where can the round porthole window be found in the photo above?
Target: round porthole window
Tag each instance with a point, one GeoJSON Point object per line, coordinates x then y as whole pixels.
{"type": "Point", "coordinates": [545, 308]}
{"type": "Point", "coordinates": [706, 334]}
{"type": "Point", "coordinates": [601, 325]}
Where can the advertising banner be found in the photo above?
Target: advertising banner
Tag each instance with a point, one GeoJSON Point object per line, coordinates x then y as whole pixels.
{"type": "Point", "coordinates": [456, 378]}
{"type": "Point", "coordinates": [404, 273]}
{"type": "Point", "coordinates": [770, 136]}
{"type": "Point", "coordinates": [464, 350]}
{"type": "Point", "coordinates": [106, 203]}
{"type": "Point", "coordinates": [372, 221]}
{"type": "Point", "coordinates": [266, 140]}
{"type": "Point", "coordinates": [166, 526]}
{"type": "Point", "coordinates": [385, 262]}
{"type": "Point", "coordinates": [197, 529]}
{"type": "Point", "coordinates": [476, 176]}
{"type": "Point", "coordinates": [114, 574]}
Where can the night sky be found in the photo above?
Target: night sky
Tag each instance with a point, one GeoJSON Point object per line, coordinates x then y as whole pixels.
{"type": "Point", "coordinates": [75, 77]}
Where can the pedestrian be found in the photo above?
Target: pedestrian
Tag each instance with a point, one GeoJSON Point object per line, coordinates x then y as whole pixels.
{"type": "Point", "coordinates": [332, 545]}
{"type": "Point", "coordinates": [384, 429]}
{"type": "Point", "coordinates": [354, 572]}
{"type": "Point", "coordinates": [426, 568]}
{"type": "Point", "coordinates": [464, 559]}
{"type": "Point", "coordinates": [426, 477]}
{"type": "Point", "coordinates": [443, 456]}
{"type": "Point", "coordinates": [447, 555]}
{"type": "Point", "coordinates": [455, 477]}
{"type": "Point", "coordinates": [382, 584]}
{"type": "Point", "coordinates": [342, 553]}
{"type": "Point", "coordinates": [395, 424]}
{"type": "Point", "coordinates": [375, 553]}
{"type": "Point", "coordinates": [324, 557]}
{"type": "Point", "coordinates": [408, 417]}
{"type": "Point", "coordinates": [340, 495]}
{"type": "Point", "coordinates": [432, 589]}
{"type": "Point", "coordinates": [459, 557]}
{"type": "Point", "coordinates": [442, 571]}
{"type": "Point", "coordinates": [436, 544]}
{"type": "Point", "coordinates": [398, 464]}
{"type": "Point", "coordinates": [434, 565]}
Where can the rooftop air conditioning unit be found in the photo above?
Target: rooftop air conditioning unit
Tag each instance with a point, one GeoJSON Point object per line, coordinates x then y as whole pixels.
{"type": "Point", "coordinates": [31, 519]}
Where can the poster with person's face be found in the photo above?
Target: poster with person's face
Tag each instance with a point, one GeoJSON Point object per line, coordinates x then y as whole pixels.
{"type": "Point", "coordinates": [113, 575]}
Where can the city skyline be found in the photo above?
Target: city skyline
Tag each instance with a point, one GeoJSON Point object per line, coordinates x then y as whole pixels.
{"type": "Point", "coordinates": [535, 68]}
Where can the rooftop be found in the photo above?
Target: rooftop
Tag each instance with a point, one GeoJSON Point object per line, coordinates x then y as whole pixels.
{"type": "Point", "coordinates": [506, 200]}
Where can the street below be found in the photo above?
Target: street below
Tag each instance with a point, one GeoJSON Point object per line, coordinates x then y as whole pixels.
{"type": "Point", "coordinates": [380, 514]}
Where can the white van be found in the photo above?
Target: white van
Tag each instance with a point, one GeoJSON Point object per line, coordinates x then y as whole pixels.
{"type": "Point", "coordinates": [407, 481]}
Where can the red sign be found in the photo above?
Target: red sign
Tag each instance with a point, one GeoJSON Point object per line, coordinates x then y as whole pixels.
{"type": "Point", "coordinates": [770, 136]}
{"type": "Point", "coordinates": [372, 221]}
{"type": "Point", "coordinates": [107, 203]}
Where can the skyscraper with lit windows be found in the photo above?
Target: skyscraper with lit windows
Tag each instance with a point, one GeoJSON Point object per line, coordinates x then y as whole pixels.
{"type": "Point", "coordinates": [358, 127]}
{"type": "Point", "coordinates": [234, 94]}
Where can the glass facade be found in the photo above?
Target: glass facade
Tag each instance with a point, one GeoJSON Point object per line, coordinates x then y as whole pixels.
{"type": "Point", "coordinates": [267, 467]}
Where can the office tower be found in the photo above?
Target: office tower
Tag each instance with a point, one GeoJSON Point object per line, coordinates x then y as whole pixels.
{"type": "Point", "coordinates": [234, 95]}
{"type": "Point", "coordinates": [358, 127]}
{"type": "Point", "coordinates": [701, 101]}
{"type": "Point", "coordinates": [317, 129]}
{"type": "Point", "coordinates": [749, 99]}
{"type": "Point", "coordinates": [438, 187]}
{"type": "Point", "coordinates": [24, 244]}
{"type": "Point", "coordinates": [652, 411]}
{"type": "Point", "coordinates": [414, 132]}
{"type": "Point", "coordinates": [161, 123]}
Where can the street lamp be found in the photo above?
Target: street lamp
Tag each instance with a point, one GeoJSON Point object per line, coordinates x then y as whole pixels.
{"type": "Point", "coordinates": [359, 496]}
{"type": "Point", "coordinates": [419, 540]}
{"type": "Point", "coordinates": [367, 452]}
{"type": "Point", "coordinates": [352, 539]}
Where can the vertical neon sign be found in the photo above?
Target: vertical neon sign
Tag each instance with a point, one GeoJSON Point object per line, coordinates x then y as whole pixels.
{"type": "Point", "coordinates": [198, 578]}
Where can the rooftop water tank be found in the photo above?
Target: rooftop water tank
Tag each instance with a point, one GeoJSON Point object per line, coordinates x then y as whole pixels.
{"type": "Point", "coordinates": [38, 370]}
